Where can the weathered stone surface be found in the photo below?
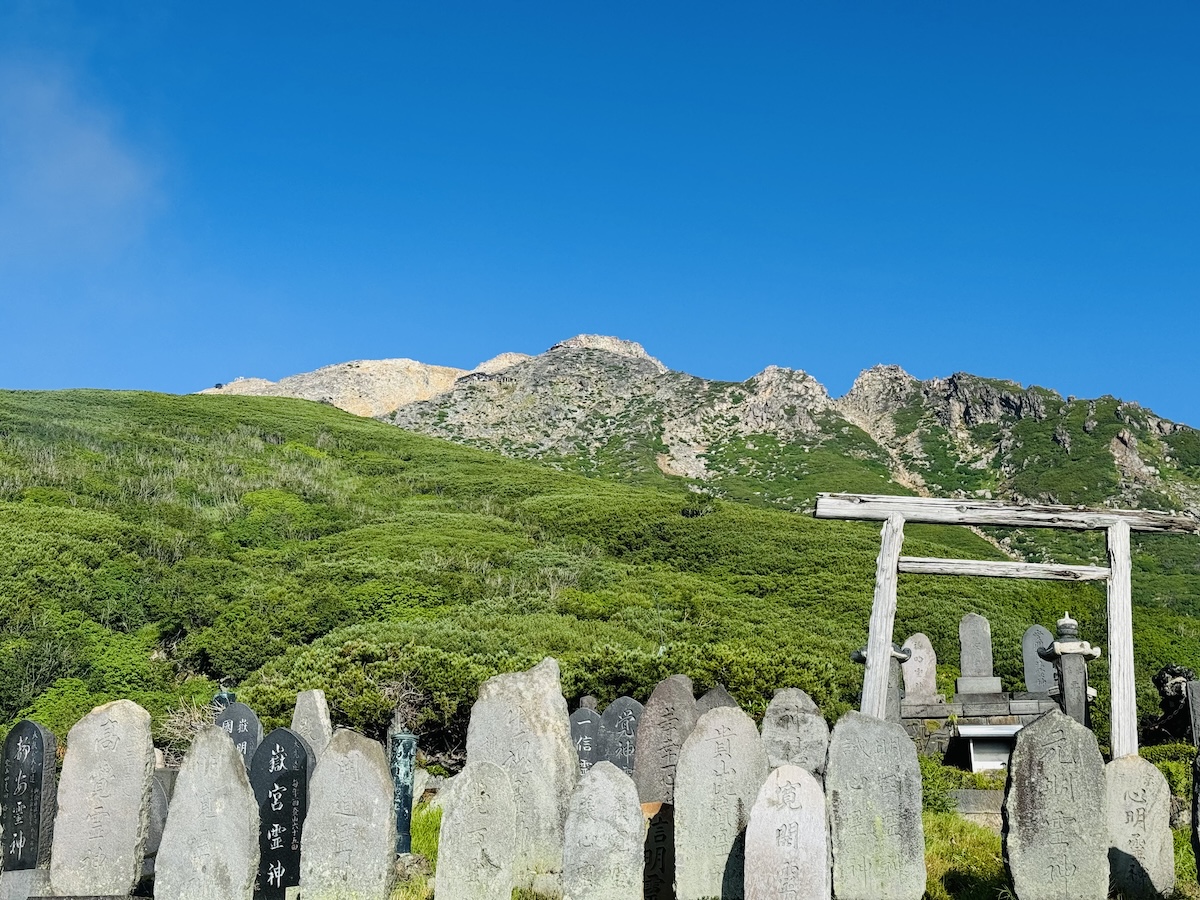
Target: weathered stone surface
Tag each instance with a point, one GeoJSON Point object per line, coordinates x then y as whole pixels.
{"type": "Point", "coordinates": [160, 802]}
{"type": "Point", "coordinates": [27, 806]}
{"type": "Point", "coordinates": [241, 723]}
{"type": "Point", "coordinates": [310, 720]}
{"type": "Point", "coordinates": [585, 735]}
{"type": "Point", "coordinates": [603, 852]}
{"type": "Point", "coordinates": [721, 767]}
{"type": "Point", "coordinates": [1039, 673]}
{"type": "Point", "coordinates": [476, 850]}
{"type": "Point", "coordinates": [1055, 824]}
{"type": "Point", "coordinates": [209, 848]}
{"type": "Point", "coordinates": [794, 732]}
{"type": "Point", "coordinates": [787, 840]}
{"type": "Point", "coordinates": [975, 643]}
{"type": "Point", "coordinates": [658, 880]}
{"type": "Point", "coordinates": [349, 834]}
{"type": "Point", "coordinates": [279, 776]}
{"type": "Point", "coordinates": [873, 788]}
{"type": "Point", "coordinates": [103, 802]}
{"type": "Point", "coordinates": [716, 696]}
{"type": "Point", "coordinates": [1141, 852]}
{"type": "Point", "coordinates": [20, 884]}
{"type": "Point", "coordinates": [618, 733]}
{"type": "Point", "coordinates": [520, 722]}
{"type": "Point", "coordinates": [669, 717]}
{"type": "Point", "coordinates": [920, 670]}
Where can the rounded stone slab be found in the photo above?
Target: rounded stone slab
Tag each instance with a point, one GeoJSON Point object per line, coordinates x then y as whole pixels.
{"type": "Point", "coordinates": [975, 644]}
{"type": "Point", "coordinates": [476, 850]}
{"type": "Point", "coordinates": [1141, 853]}
{"type": "Point", "coordinates": [349, 846]}
{"type": "Point", "coordinates": [1055, 823]}
{"type": "Point", "coordinates": [618, 733]}
{"type": "Point", "coordinates": [787, 841]}
{"type": "Point", "coordinates": [668, 718]}
{"type": "Point", "coordinates": [520, 722]}
{"type": "Point", "coordinates": [721, 767]}
{"type": "Point", "coordinates": [873, 791]}
{"type": "Point", "coordinates": [209, 847]}
{"type": "Point", "coordinates": [103, 802]}
{"type": "Point", "coordinates": [604, 847]}
{"type": "Point", "coordinates": [920, 669]}
{"type": "Point", "coordinates": [794, 732]}
{"type": "Point", "coordinates": [1039, 673]}
{"type": "Point", "coordinates": [310, 720]}
{"type": "Point", "coordinates": [27, 803]}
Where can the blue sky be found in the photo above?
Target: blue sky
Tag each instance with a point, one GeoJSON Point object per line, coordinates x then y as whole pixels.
{"type": "Point", "coordinates": [192, 192]}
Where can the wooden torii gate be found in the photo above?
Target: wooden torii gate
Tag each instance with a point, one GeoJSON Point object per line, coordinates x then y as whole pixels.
{"type": "Point", "coordinates": [895, 511]}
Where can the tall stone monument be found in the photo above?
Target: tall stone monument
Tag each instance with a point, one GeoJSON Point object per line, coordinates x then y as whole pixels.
{"type": "Point", "coordinates": [794, 732]}
{"type": "Point", "coordinates": [669, 717]}
{"type": "Point", "coordinates": [310, 720]}
{"type": "Point", "coordinates": [602, 855]}
{"type": "Point", "coordinates": [27, 807]}
{"type": "Point", "coordinates": [585, 735]}
{"type": "Point", "coordinates": [1056, 837]}
{"type": "Point", "coordinates": [520, 722]}
{"type": "Point", "coordinates": [787, 841]}
{"type": "Point", "coordinates": [209, 847]}
{"type": "Point", "coordinates": [721, 767]}
{"type": "Point", "coordinates": [1141, 851]}
{"type": "Point", "coordinates": [349, 846]}
{"type": "Point", "coordinates": [975, 661]}
{"type": "Point", "coordinates": [103, 802]}
{"type": "Point", "coordinates": [618, 733]}
{"type": "Point", "coordinates": [279, 775]}
{"type": "Point", "coordinates": [873, 789]}
{"type": "Point", "coordinates": [1039, 672]}
{"type": "Point", "coordinates": [475, 846]}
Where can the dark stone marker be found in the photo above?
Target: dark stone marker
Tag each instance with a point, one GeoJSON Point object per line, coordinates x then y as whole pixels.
{"type": "Point", "coordinates": [717, 696]}
{"type": "Point", "coordinates": [618, 733]}
{"type": "Point", "coordinates": [1039, 673]}
{"type": "Point", "coordinates": [585, 735]}
{"type": "Point", "coordinates": [241, 724]}
{"type": "Point", "coordinates": [658, 879]}
{"type": "Point", "coordinates": [279, 775]}
{"type": "Point", "coordinates": [29, 796]}
{"type": "Point", "coordinates": [402, 755]}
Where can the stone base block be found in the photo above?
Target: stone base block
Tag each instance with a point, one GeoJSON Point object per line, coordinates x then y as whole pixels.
{"type": "Point", "coordinates": [929, 710]}
{"type": "Point", "coordinates": [18, 884]}
{"type": "Point", "coordinates": [982, 807]}
{"type": "Point", "coordinates": [977, 684]}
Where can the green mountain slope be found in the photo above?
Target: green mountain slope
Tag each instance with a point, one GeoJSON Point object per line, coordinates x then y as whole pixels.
{"type": "Point", "coordinates": [152, 546]}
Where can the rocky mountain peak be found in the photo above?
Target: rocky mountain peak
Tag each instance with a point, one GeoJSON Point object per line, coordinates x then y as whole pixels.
{"type": "Point", "coordinates": [606, 344]}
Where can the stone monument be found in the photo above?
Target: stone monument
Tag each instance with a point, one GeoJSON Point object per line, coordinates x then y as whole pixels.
{"type": "Point", "coordinates": [585, 735]}
{"type": "Point", "coordinates": [1141, 851]}
{"type": "Point", "coordinates": [241, 723]}
{"type": "Point", "coordinates": [794, 732]}
{"type": "Point", "coordinates": [603, 852]}
{"type": "Point", "coordinates": [310, 720]}
{"type": "Point", "coordinates": [279, 775]}
{"type": "Point", "coordinates": [1039, 672]}
{"type": "Point", "coordinates": [787, 841]}
{"type": "Point", "coordinates": [618, 733]}
{"type": "Point", "coordinates": [475, 847]}
{"type": "Point", "coordinates": [669, 717]}
{"type": "Point", "coordinates": [975, 661]}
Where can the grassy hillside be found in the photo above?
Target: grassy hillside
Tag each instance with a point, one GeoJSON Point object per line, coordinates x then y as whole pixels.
{"type": "Point", "coordinates": [153, 546]}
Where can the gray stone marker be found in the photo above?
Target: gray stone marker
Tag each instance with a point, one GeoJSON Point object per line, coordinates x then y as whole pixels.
{"type": "Point", "coordinates": [716, 697]}
{"type": "Point", "coordinates": [1192, 692]}
{"type": "Point", "coordinates": [520, 722]}
{"type": "Point", "coordinates": [1039, 673]}
{"type": "Point", "coordinates": [794, 732]}
{"type": "Point", "coordinates": [310, 720]}
{"type": "Point", "coordinates": [476, 850]}
{"type": "Point", "coordinates": [103, 802]}
{"type": "Point", "coordinates": [1141, 851]}
{"type": "Point", "coordinates": [873, 787]}
{"type": "Point", "coordinates": [209, 848]}
{"type": "Point", "coordinates": [585, 735]}
{"type": "Point", "coordinates": [27, 806]}
{"type": "Point", "coordinates": [975, 644]}
{"type": "Point", "coordinates": [787, 841]}
{"type": "Point", "coordinates": [920, 671]}
{"type": "Point", "coordinates": [669, 717]}
{"type": "Point", "coordinates": [618, 733]}
{"type": "Point", "coordinates": [241, 723]}
{"type": "Point", "coordinates": [721, 767]}
{"type": "Point", "coordinates": [349, 845]}
{"type": "Point", "coordinates": [658, 881]}
{"type": "Point", "coordinates": [1055, 824]}
{"type": "Point", "coordinates": [603, 851]}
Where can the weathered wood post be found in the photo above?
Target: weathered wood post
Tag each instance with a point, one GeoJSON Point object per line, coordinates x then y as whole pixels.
{"type": "Point", "coordinates": [883, 619]}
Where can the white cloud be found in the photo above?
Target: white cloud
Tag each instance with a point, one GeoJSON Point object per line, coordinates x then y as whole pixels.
{"type": "Point", "coordinates": [71, 187]}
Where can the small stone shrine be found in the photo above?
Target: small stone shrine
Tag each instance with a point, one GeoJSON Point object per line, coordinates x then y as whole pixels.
{"type": "Point", "coordinates": [520, 722]}
{"type": "Point", "coordinates": [241, 723]}
{"type": "Point", "coordinates": [618, 733]}
{"type": "Point", "coordinates": [349, 846]}
{"type": "Point", "coordinates": [28, 800]}
{"type": "Point", "coordinates": [585, 735]}
{"type": "Point", "coordinates": [669, 717]}
{"type": "Point", "coordinates": [310, 720]}
{"type": "Point", "coordinates": [1141, 851]}
{"type": "Point", "coordinates": [103, 802]}
{"type": "Point", "coordinates": [476, 850]}
{"type": "Point", "coordinates": [1070, 655]}
{"type": "Point", "coordinates": [603, 850]}
{"type": "Point", "coordinates": [209, 847]}
{"type": "Point", "coordinates": [794, 732]}
{"type": "Point", "coordinates": [279, 775]}
{"type": "Point", "coordinates": [873, 786]}
{"type": "Point", "coordinates": [721, 767]}
{"type": "Point", "coordinates": [787, 841]}
{"type": "Point", "coordinates": [1056, 837]}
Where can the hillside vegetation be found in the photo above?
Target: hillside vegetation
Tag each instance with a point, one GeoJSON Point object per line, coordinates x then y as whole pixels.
{"type": "Point", "coordinates": [155, 546]}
